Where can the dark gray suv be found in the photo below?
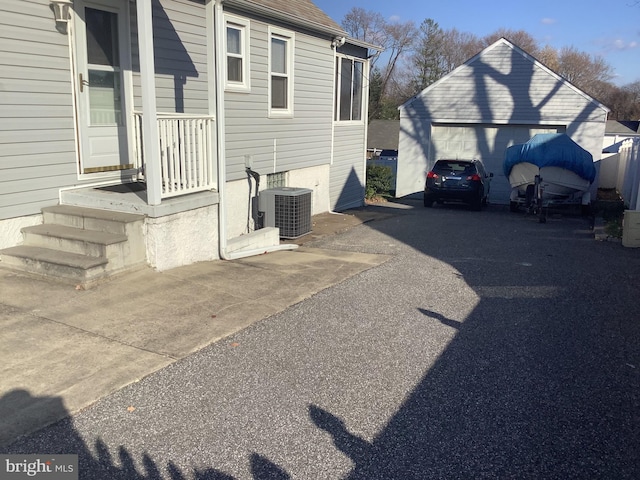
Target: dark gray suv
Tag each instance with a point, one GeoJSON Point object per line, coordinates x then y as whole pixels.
{"type": "Point", "coordinates": [463, 181]}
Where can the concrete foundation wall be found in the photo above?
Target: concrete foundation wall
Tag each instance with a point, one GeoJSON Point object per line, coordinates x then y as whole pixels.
{"type": "Point", "coordinates": [10, 234]}
{"type": "Point", "coordinates": [184, 238]}
{"type": "Point", "coordinates": [317, 179]}
{"type": "Point", "coordinates": [240, 196]}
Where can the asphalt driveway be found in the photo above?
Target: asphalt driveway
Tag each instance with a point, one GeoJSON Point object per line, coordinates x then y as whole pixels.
{"type": "Point", "coordinates": [489, 346]}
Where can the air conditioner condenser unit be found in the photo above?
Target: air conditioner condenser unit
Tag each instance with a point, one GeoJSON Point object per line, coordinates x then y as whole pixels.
{"type": "Point", "coordinates": [288, 208]}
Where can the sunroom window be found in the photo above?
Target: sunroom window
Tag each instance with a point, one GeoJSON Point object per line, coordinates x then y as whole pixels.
{"type": "Point", "coordinates": [349, 89]}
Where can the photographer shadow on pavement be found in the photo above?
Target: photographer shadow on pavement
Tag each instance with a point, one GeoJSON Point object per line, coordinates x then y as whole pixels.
{"type": "Point", "coordinates": [100, 462]}
{"type": "Point", "coordinates": [22, 413]}
{"type": "Point", "coordinates": [354, 447]}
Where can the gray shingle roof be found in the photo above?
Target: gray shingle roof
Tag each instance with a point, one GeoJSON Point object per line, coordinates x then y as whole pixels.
{"type": "Point", "coordinates": [304, 11]}
{"type": "Point", "coordinates": [383, 134]}
{"type": "Point", "coordinates": [615, 127]}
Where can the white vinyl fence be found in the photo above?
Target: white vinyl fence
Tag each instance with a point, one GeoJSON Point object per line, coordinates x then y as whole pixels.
{"type": "Point", "coordinates": [628, 179]}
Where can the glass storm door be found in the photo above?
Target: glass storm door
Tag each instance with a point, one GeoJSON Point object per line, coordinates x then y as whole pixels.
{"type": "Point", "coordinates": [102, 55]}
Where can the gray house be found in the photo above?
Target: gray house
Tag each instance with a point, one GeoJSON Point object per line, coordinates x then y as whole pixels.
{"type": "Point", "coordinates": [500, 97]}
{"type": "Point", "coordinates": [617, 132]}
{"type": "Point", "coordinates": [166, 117]}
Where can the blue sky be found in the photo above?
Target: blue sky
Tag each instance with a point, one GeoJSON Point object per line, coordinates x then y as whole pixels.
{"type": "Point", "coordinates": [607, 28]}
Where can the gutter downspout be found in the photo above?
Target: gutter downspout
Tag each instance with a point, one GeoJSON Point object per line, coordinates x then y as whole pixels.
{"type": "Point", "coordinates": [219, 31]}
{"type": "Point", "coordinates": [334, 113]}
{"type": "Point", "coordinates": [367, 78]}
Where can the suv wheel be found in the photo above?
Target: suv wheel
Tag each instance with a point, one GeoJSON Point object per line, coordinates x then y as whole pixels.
{"type": "Point", "coordinates": [476, 204]}
{"type": "Point", "coordinates": [428, 201]}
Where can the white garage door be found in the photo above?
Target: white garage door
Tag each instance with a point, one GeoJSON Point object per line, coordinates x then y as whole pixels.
{"type": "Point", "coordinates": [486, 142]}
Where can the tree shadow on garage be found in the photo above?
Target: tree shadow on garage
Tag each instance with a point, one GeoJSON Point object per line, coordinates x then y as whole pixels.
{"type": "Point", "coordinates": [507, 104]}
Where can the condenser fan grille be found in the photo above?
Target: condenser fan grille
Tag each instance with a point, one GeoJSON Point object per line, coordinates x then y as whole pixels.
{"type": "Point", "coordinates": [287, 208]}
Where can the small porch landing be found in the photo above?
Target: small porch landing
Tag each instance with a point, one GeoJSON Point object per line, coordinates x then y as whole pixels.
{"type": "Point", "coordinates": [132, 198]}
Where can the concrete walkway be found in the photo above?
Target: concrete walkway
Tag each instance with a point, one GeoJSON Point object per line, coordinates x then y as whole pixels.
{"type": "Point", "coordinates": [58, 342]}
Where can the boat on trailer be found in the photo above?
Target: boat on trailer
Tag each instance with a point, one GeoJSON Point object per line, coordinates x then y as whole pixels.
{"type": "Point", "coordinates": [550, 169]}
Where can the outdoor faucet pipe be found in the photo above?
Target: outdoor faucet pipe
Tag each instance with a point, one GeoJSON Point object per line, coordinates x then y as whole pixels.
{"type": "Point", "coordinates": [256, 177]}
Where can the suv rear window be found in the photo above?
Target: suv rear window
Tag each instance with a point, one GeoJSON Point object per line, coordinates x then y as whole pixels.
{"type": "Point", "coordinates": [455, 166]}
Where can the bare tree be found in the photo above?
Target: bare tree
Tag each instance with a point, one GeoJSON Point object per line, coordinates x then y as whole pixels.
{"type": "Point", "coordinates": [459, 47]}
{"type": "Point", "coordinates": [549, 57]}
{"type": "Point", "coordinates": [634, 89]}
{"type": "Point", "coordinates": [624, 101]}
{"type": "Point", "coordinates": [367, 26]}
{"type": "Point", "coordinates": [400, 41]}
{"type": "Point", "coordinates": [395, 37]}
{"type": "Point", "coordinates": [522, 39]}
{"type": "Point", "coordinates": [585, 71]}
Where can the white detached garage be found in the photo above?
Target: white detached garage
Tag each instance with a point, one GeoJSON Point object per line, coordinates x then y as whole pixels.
{"type": "Point", "coordinates": [501, 97]}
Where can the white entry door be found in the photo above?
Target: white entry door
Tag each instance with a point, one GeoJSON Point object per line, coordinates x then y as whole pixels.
{"type": "Point", "coordinates": [102, 58]}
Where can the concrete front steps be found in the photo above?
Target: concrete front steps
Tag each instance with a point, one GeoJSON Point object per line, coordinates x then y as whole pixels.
{"type": "Point", "coordinates": [79, 245]}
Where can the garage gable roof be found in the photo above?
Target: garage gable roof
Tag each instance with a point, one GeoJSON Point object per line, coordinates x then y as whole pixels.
{"type": "Point", "coordinates": [514, 48]}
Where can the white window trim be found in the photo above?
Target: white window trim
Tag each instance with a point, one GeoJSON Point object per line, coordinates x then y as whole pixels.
{"type": "Point", "coordinates": [289, 36]}
{"type": "Point", "coordinates": [244, 26]}
{"type": "Point", "coordinates": [337, 100]}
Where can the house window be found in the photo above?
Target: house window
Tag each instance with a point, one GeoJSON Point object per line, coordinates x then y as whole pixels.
{"type": "Point", "coordinates": [349, 89]}
{"type": "Point", "coordinates": [237, 50]}
{"type": "Point", "coordinates": [280, 73]}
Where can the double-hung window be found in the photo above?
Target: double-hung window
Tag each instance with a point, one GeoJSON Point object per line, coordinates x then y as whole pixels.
{"type": "Point", "coordinates": [349, 89]}
{"type": "Point", "coordinates": [237, 53]}
{"type": "Point", "coordinates": [281, 45]}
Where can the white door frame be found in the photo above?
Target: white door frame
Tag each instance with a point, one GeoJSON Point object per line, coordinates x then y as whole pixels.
{"type": "Point", "coordinates": [107, 167]}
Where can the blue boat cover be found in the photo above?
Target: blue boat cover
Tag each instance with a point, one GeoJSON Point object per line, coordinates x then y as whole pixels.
{"type": "Point", "coordinates": [551, 150]}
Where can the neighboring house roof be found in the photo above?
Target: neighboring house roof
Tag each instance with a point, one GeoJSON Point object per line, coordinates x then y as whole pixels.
{"type": "Point", "coordinates": [622, 127]}
{"type": "Point", "coordinates": [383, 134]}
{"type": "Point", "coordinates": [300, 12]}
{"type": "Point", "coordinates": [503, 41]}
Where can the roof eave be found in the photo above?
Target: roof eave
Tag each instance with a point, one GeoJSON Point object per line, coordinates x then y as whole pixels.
{"type": "Point", "coordinates": [250, 6]}
{"type": "Point", "coordinates": [360, 43]}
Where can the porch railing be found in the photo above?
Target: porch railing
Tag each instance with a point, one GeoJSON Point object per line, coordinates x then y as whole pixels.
{"type": "Point", "coordinates": [186, 152]}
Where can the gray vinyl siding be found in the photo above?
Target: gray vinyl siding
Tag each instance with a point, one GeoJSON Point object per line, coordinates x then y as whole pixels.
{"type": "Point", "coordinates": [301, 141]}
{"type": "Point", "coordinates": [180, 43]}
{"type": "Point", "coordinates": [37, 139]}
{"type": "Point", "coordinates": [500, 86]}
{"type": "Point", "coordinates": [347, 177]}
